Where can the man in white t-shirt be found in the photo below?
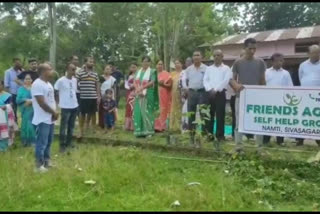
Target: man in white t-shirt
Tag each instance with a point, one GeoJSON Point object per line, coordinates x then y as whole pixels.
{"type": "Point", "coordinates": [67, 87]}
{"type": "Point", "coordinates": [44, 105]}
{"type": "Point", "coordinates": [277, 76]}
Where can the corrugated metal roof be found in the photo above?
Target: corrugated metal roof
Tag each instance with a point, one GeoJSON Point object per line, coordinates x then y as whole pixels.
{"type": "Point", "coordinates": [273, 35]}
{"type": "Point", "coordinates": [232, 58]}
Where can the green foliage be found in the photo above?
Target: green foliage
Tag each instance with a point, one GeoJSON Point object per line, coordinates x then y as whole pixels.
{"type": "Point", "coordinates": [22, 37]}
{"type": "Point", "coordinates": [275, 180]}
{"type": "Point", "coordinates": [277, 15]}
{"type": "Point", "coordinates": [119, 32]}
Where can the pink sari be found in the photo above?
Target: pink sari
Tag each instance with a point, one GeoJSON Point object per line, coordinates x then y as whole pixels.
{"type": "Point", "coordinates": [165, 102]}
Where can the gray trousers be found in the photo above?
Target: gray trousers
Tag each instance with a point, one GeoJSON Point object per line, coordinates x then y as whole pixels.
{"type": "Point", "coordinates": [238, 135]}
{"type": "Point", "coordinates": [196, 98]}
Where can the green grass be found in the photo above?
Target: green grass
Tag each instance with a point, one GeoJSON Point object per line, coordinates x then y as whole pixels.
{"type": "Point", "coordinates": [134, 179]}
{"type": "Point", "coordinates": [129, 179]}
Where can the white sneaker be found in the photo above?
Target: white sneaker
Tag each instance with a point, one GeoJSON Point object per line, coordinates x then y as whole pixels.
{"type": "Point", "coordinates": [49, 164]}
{"type": "Point", "coordinates": [41, 169]}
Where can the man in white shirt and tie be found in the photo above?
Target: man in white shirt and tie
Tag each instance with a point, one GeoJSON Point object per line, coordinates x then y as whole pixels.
{"type": "Point", "coordinates": [309, 74]}
{"type": "Point", "coordinates": [277, 76]}
{"type": "Point", "coordinates": [215, 82]}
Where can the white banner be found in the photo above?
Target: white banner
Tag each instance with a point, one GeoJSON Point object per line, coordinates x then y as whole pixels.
{"type": "Point", "coordinates": [283, 112]}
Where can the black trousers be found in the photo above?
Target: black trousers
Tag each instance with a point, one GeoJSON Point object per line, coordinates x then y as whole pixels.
{"type": "Point", "coordinates": [195, 98]}
{"type": "Point", "coordinates": [233, 113]}
{"type": "Point", "coordinates": [217, 110]}
{"type": "Point", "coordinates": [301, 140]}
{"type": "Point", "coordinates": [266, 139]}
{"type": "Point", "coordinates": [68, 118]}
{"type": "Point", "coordinates": [15, 106]}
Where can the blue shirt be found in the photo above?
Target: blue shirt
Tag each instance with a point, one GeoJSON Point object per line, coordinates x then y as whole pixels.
{"type": "Point", "coordinates": [9, 80]}
{"type": "Point", "coordinates": [194, 76]}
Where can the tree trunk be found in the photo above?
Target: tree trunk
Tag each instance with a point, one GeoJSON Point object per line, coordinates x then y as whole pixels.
{"type": "Point", "coordinates": [165, 40]}
{"type": "Point", "coordinates": [52, 33]}
{"type": "Point", "coordinates": [175, 41]}
{"type": "Point", "coordinates": [159, 51]}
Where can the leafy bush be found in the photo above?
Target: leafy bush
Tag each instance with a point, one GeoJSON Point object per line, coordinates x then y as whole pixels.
{"type": "Point", "coordinates": [275, 180]}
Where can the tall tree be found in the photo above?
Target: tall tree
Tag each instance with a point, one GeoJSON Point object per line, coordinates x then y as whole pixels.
{"type": "Point", "coordinates": [52, 33]}
{"type": "Point", "coordinates": [121, 32]}
{"type": "Point", "coordinates": [190, 25]}
{"type": "Point", "coordinates": [22, 32]}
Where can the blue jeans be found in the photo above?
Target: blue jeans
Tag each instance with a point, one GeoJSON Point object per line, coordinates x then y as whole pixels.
{"type": "Point", "coordinates": [68, 118]}
{"type": "Point", "coordinates": [44, 138]}
{"type": "Point", "coordinates": [109, 120]}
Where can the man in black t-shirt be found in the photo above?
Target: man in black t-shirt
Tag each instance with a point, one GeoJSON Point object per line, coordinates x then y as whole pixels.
{"type": "Point", "coordinates": [32, 71]}
{"type": "Point", "coordinates": [119, 77]}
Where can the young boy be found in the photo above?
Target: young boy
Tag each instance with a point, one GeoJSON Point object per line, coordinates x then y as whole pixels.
{"type": "Point", "coordinates": [109, 106]}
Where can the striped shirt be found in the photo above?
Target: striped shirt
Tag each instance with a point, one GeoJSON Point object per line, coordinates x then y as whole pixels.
{"type": "Point", "coordinates": [87, 83]}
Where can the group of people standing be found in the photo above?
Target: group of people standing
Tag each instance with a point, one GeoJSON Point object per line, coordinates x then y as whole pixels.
{"type": "Point", "coordinates": [156, 100]}
{"type": "Point", "coordinates": [161, 99]}
{"type": "Point", "coordinates": [15, 91]}
{"type": "Point", "coordinates": [250, 70]}
{"type": "Point", "coordinates": [36, 94]}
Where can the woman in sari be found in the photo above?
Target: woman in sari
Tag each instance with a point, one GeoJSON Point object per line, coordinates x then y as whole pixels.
{"type": "Point", "coordinates": [130, 97]}
{"type": "Point", "coordinates": [165, 83]}
{"type": "Point", "coordinates": [146, 103]}
{"type": "Point", "coordinates": [176, 103]}
{"type": "Point", "coordinates": [7, 119]}
{"type": "Point", "coordinates": [28, 133]}
{"type": "Point", "coordinates": [107, 82]}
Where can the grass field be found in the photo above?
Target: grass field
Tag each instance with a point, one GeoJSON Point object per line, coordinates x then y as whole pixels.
{"type": "Point", "coordinates": [129, 179]}
{"type": "Point", "coordinates": [134, 179]}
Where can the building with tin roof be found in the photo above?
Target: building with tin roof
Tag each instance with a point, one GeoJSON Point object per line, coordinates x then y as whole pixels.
{"type": "Point", "coordinates": [293, 43]}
